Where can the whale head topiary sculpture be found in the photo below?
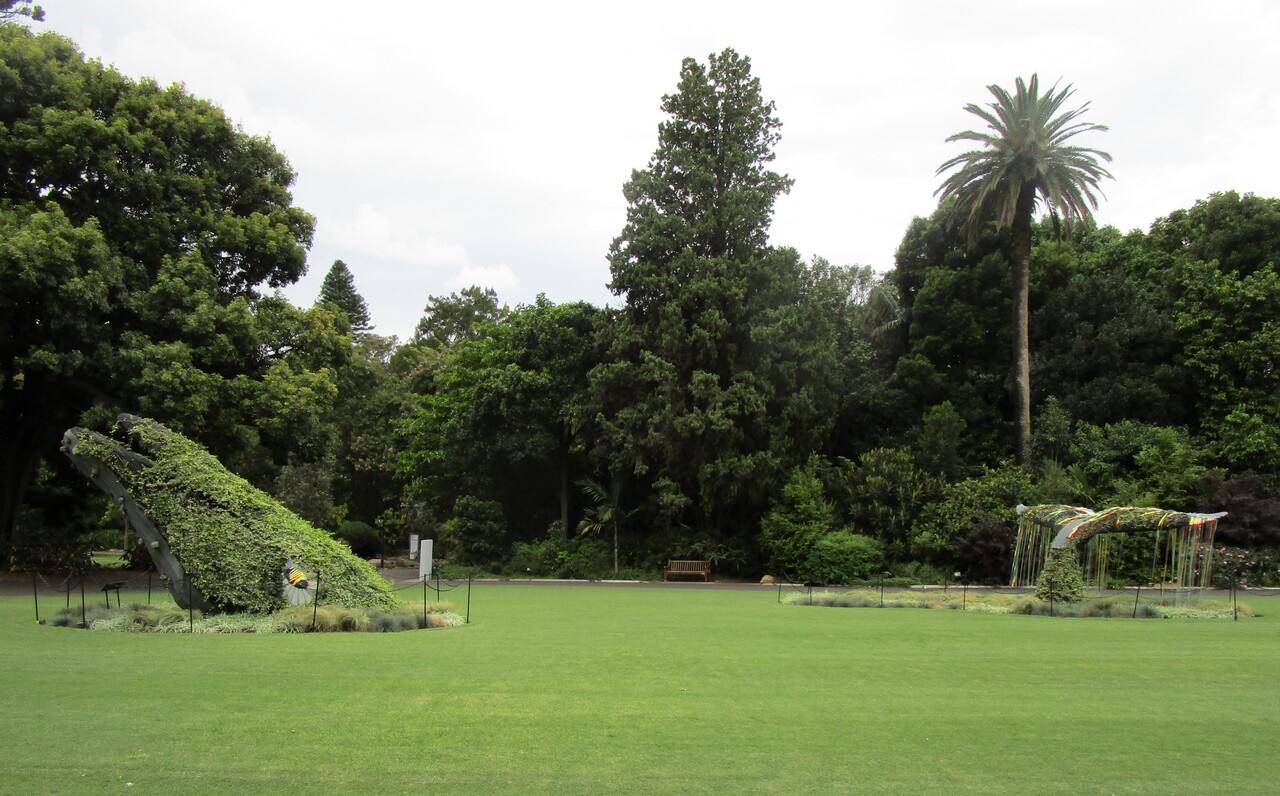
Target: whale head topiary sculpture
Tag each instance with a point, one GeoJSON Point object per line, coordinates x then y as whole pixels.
{"type": "Point", "coordinates": [222, 545]}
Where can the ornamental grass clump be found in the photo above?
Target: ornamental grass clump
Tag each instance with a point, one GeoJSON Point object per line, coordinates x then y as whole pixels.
{"type": "Point", "coordinates": [169, 618]}
{"type": "Point", "coordinates": [76, 617]}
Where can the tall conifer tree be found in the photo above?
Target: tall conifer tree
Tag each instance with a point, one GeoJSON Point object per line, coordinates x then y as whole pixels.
{"type": "Point", "coordinates": [339, 289]}
{"type": "Point", "coordinates": [714, 385]}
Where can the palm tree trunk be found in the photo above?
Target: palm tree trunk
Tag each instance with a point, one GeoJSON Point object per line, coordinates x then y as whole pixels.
{"type": "Point", "coordinates": [1020, 261]}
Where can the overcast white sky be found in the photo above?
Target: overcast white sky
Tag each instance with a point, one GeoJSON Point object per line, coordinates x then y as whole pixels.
{"type": "Point", "coordinates": [444, 145]}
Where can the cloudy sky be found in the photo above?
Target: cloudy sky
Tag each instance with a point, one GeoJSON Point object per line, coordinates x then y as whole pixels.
{"type": "Point", "coordinates": [443, 145]}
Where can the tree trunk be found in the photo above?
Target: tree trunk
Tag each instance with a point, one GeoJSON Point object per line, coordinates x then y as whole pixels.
{"type": "Point", "coordinates": [24, 442]}
{"type": "Point", "coordinates": [1020, 262]}
{"type": "Point", "coordinates": [564, 489]}
{"type": "Point", "coordinates": [565, 497]}
{"type": "Point", "coordinates": [17, 475]}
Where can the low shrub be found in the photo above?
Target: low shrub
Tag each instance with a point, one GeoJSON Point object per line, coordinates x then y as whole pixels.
{"type": "Point", "coordinates": [361, 537]}
{"type": "Point", "coordinates": [912, 573]}
{"type": "Point", "coordinates": [554, 556]}
{"type": "Point", "coordinates": [843, 557]}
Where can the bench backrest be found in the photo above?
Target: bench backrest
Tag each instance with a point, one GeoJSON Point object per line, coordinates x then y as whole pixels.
{"type": "Point", "coordinates": [688, 566]}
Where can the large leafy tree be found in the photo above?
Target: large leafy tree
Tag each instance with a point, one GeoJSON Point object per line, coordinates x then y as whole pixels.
{"type": "Point", "coordinates": [1220, 263]}
{"type": "Point", "coordinates": [502, 417]}
{"type": "Point", "coordinates": [139, 227]}
{"type": "Point", "coordinates": [1104, 334]}
{"type": "Point", "coordinates": [1025, 158]}
{"type": "Point", "coordinates": [458, 316]}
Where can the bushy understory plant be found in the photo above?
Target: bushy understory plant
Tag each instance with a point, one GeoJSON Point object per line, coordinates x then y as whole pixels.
{"type": "Point", "coordinates": [843, 557]}
{"type": "Point", "coordinates": [557, 556]}
{"type": "Point", "coordinates": [797, 521]}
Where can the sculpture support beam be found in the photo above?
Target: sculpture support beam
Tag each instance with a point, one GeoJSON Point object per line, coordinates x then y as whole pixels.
{"type": "Point", "coordinates": [102, 474]}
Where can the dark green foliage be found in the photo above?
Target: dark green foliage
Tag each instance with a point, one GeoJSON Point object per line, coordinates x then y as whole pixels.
{"type": "Point", "coordinates": [1253, 511]}
{"type": "Point", "coordinates": [1133, 464]}
{"type": "Point", "coordinates": [1061, 580]}
{"type": "Point", "coordinates": [707, 192]}
{"type": "Point", "coordinates": [969, 515]}
{"type": "Point", "coordinates": [361, 537]}
{"type": "Point", "coordinates": [306, 489]}
{"type": "Point", "coordinates": [605, 513]}
{"type": "Point", "coordinates": [1228, 320]}
{"type": "Point", "coordinates": [936, 443]}
{"type": "Point", "coordinates": [372, 396]}
{"type": "Point", "coordinates": [954, 336]}
{"type": "Point", "coordinates": [339, 290]}
{"type": "Point", "coordinates": [909, 573]}
{"type": "Point", "coordinates": [1133, 559]}
{"type": "Point", "coordinates": [139, 230]}
{"type": "Point", "coordinates": [842, 557]}
{"type": "Point", "coordinates": [459, 316]}
{"type": "Point", "coordinates": [983, 552]}
{"type": "Point", "coordinates": [886, 493]}
{"type": "Point", "coordinates": [1239, 232]}
{"type": "Point", "coordinates": [798, 519]}
{"type": "Point", "coordinates": [555, 556]}
{"type": "Point", "coordinates": [476, 534]}
{"type": "Point", "coordinates": [1104, 335]}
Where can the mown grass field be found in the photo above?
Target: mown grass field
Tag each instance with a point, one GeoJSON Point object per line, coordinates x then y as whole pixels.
{"type": "Point", "coordinates": [563, 689]}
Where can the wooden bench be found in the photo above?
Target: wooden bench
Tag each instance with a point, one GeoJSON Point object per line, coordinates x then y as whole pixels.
{"type": "Point", "coordinates": [702, 568]}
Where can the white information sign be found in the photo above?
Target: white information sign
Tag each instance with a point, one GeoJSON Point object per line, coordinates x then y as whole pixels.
{"type": "Point", "coordinates": [424, 559]}
{"type": "Point", "coordinates": [413, 545]}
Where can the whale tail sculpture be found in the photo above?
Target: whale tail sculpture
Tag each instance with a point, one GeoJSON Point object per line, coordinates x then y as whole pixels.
{"type": "Point", "coordinates": [220, 543]}
{"type": "Point", "coordinates": [1046, 532]}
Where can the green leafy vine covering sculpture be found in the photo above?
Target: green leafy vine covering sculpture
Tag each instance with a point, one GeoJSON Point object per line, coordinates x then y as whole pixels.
{"type": "Point", "coordinates": [213, 535]}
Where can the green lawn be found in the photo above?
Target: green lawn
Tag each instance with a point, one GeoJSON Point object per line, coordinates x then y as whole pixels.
{"type": "Point", "coordinates": [556, 689]}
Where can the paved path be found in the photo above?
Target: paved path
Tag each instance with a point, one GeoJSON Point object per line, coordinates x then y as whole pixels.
{"type": "Point", "coordinates": [19, 584]}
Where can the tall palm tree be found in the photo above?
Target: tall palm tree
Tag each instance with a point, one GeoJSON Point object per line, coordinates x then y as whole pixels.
{"type": "Point", "coordinates": [1024, 161]}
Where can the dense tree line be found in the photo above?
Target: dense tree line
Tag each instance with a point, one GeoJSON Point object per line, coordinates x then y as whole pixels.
{"type": "Point", "coordinates": [740, 405]}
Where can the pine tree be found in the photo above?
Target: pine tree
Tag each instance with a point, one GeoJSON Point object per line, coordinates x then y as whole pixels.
{"type": "Point", "coordinates": [339, 289]}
